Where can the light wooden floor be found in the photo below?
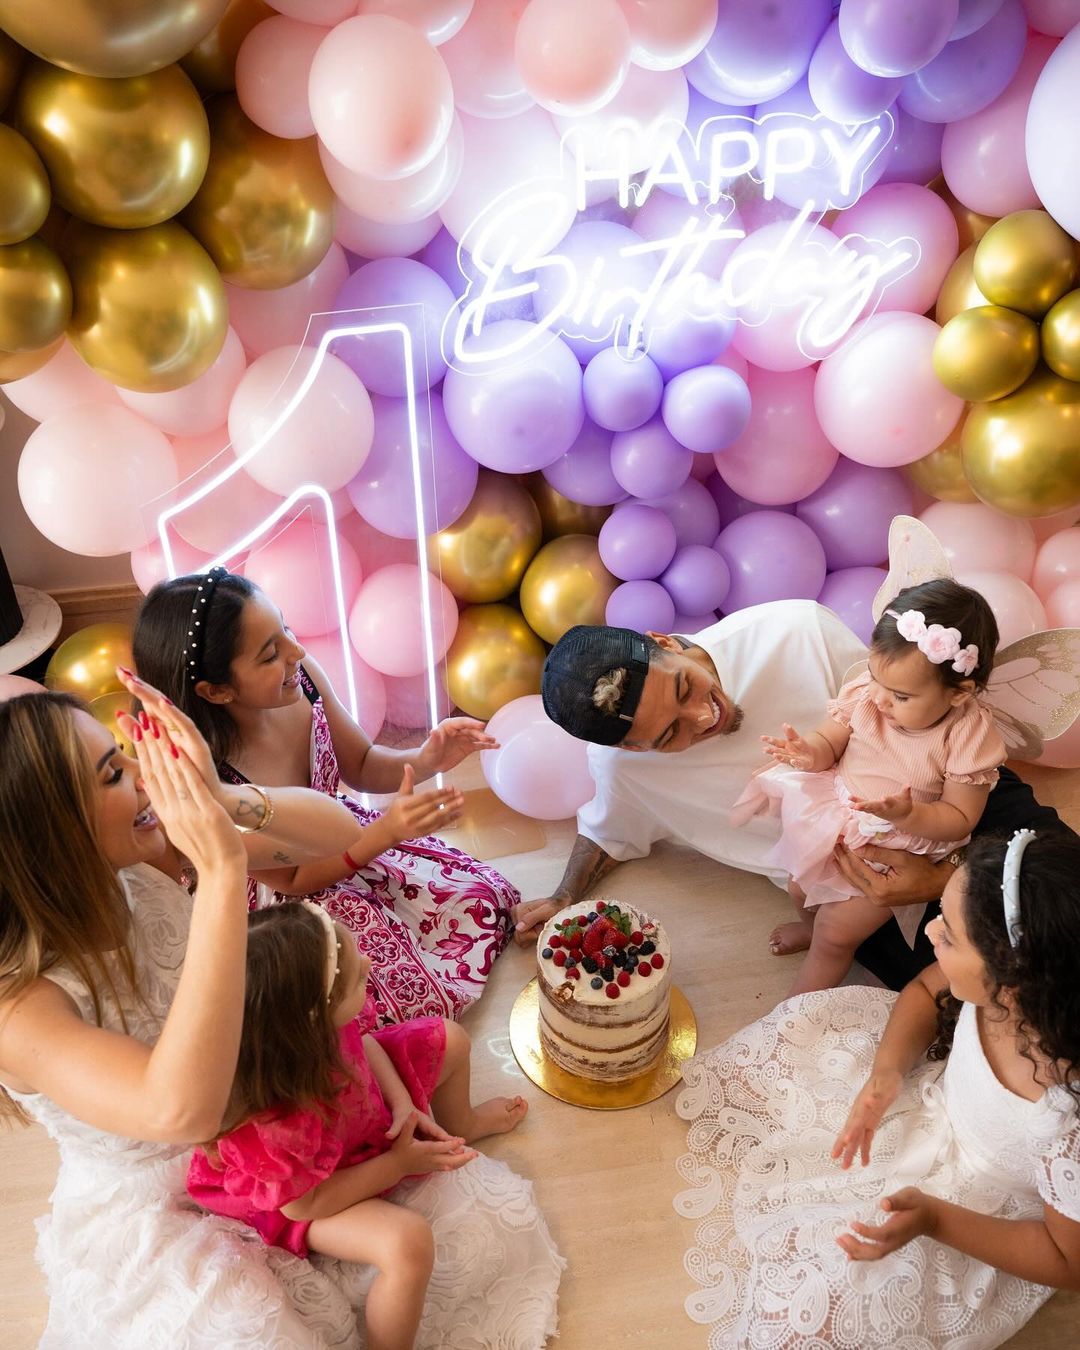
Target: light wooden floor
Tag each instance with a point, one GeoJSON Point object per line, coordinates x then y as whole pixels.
{"type": "Point", "coordinates": [605, 1180]}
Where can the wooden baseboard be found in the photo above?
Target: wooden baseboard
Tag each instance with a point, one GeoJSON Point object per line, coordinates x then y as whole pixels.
{"type": "Point", "coordinates": [85, 605]}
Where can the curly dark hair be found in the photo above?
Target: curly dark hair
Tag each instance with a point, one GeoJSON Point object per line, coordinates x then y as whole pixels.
{"type": "Point", "coordinates": [1040, 972]}
{"type": "Point", "coordinates": [946, 602]}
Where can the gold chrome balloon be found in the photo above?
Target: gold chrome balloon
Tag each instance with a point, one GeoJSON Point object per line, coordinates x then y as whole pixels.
{"type": "Point", "coordinates": [24, 188]}
{"type": "Point", "coordinates": [566, 583]}
{"type": "Point", "coordinates": [495, 657]}
{"type": "Point", "coordinates": [124, 153]}
{"type": "Point", "coordinates": [35, 296]}
{"type": "Point", "coordinates": [104, 709]}
{"type": "Point", "coordinates": [1022, 453]}
{"type": "Point", "coordinates": [150, 310]}
{"type": "Point", "coordinates": [16, 365]}
{"type": "Point", "coordinates": [12, 57]}
{"type": "Point", "coordinates": [265, 212]}
{"type": "Point", "coordinates": [211, 63]}
{"type": "Point", "coordinates": [110, 37]}
{"type": "Point", "coordinates": [986, 352]}
{"type": "Point", "coordinates": [959, 290]}
{"type": "Point", "coordinates": [483, 555]}
{"type": "Point", "coordinates": [559, 515]}
{"type": "Point", "coordinates": [1025, 261]}
{"type": "Point", "coordinates": [85, 663]}
{"type": "Point", "coordinates": [1061, 337]}
{"type": "Point", "coordinates": [941, 472]}
{"type": "Point", "coordinates": [970, 225]}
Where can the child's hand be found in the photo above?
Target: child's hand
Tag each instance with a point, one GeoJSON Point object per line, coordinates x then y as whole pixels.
{"type": "Point", "coordinates": [792, 750]}
{"type": "Point", "coordinates": [896, 808]}
{"type": "Point", "coordinates": [878, 1093]}
{"type": "Point", "coordinates": [413, 814]}
{"type": "Point", "coordinates": [424, 1124]}
{"type": "Point", "coordinates": [914, 1214]}
{"type": "Point", "coordinates": [417, 1157]}
{"type": "Point", "coordinates": [453, 740]}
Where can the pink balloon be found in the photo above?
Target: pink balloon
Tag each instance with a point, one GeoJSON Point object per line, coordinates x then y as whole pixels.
{"type": "Point", "coordinates": [573, 57]}
{"type": "Point", "coordinates": [329, 651]}
{"type": "Point", "coordinates": [643, 118]}
{"type": "Point", "coordinates": [1018, 610]}
{"type": "Point", "coordinates": [667, 34]}
{"type": "Point", "coordinates": [265, 320]}
{"type": "Point", "coordinates": [237, 505]}
{"type": "Point", "coordinates": [295, 569]}
{"type": "Point", "coordinates": [1064, 751]}
{"type": "Point", "coordinates": [13, 686]}
{"type": "Point", "coordinates": [1063, 605]}
{"type": "Point", "coordinates": [382, 239]}
{"type": "Point", "coordinates": [372, 547]}
{"type": "Point", "coordinates": [325, 12]}
{"type": "Point", "coordinates": [438, 20]}
{"type": "Point", "coordinates": [327, 435]}
{"type": "Point", "coordinates": [977, 537]}
{"type": "Point", "coordinates": [200, 406]}
{"type": "Point", "coordinates": [878, 399]}
{"type": "Point", "coordinates": [1057, 561]}
{"type": "Point", "coordinates": [895, 210]}
{"type": "Point", "coordinates": [487, 82]}
{"type": "Point", "coordinates": [515, 716]}
{"type": "Point", "coordinates": [540, 772]}
{"type": "Point", "coordinates": [64, 381]}
{"type": "Point", "coordinates": [408, 701]}
{"type": "Point", "coordinates": [1045, 526]}
{"type": "Point", "coordinates": [1056, 17]}
{"type": "Point", "coordinates": [386, 624]}
{"type": "Point", "coordinates": [405, 200]}
{"type": "Point", "coordinates": [89, 477]}
{"type": "Point", "coordinates": [380, 96]}
{"type": "Point", "coordinates": [148, 563]}
{"type": "Point", "coordinates": [783, 455]}
{"type": "Point", "coordinates": [735, 361]}
{"type": "Point", "coordinates": [983, 157]}
{"type": "Point", "coordinates": [273, 66]}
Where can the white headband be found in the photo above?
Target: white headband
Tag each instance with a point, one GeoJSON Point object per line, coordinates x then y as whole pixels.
{"type": "Point", "coordinates": [1010, 883]}
{"type": "Point", "coordinates": [333, 944]}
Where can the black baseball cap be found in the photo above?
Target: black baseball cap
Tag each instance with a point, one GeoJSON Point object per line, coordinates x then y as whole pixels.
{"type": "Point", "coordinates": [580, 657]}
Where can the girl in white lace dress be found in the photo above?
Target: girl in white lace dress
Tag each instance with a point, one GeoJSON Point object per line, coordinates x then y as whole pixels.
{"type": "Point", "coordinates": [120, 1014]}
{"type": "Point", "coordinates": [942, 1208]}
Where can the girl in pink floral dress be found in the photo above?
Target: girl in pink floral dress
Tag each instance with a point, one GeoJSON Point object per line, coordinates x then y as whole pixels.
{"type": "Point", "coordinates": [325, 1121]}
{"type": "Point", "coordinates": [431, 918]}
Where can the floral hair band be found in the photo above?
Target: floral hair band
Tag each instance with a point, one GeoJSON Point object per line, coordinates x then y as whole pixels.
{"type": "Point", "coordinates": [937, 643]}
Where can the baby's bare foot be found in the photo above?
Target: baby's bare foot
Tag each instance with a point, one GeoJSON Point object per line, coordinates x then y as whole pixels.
{"type": "Point", "coordinates": [788, 938]}
{"type": "Point", "coordinates": [500, 1115]}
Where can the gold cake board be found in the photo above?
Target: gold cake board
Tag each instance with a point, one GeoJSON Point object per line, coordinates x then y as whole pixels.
{"type": "Point", "coordinates": [568, 1087]}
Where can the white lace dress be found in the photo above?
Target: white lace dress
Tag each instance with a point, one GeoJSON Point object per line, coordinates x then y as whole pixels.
{"type": "Point", "coordinates": [765, 1108]}
{"type": "Point", "coordinates": [133, 1264]}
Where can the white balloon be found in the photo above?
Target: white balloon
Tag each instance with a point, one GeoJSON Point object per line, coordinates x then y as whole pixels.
{"type": "Point", "coordinates": [1052, 135]}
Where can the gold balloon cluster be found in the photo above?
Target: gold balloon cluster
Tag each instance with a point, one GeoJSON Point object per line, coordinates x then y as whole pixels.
{"type": "Point", "coordinates": [85, 664]}
{"type": "Point", "coordinates": [1018, 446]}
{"type": "Point", "coordinates": [124, 202]}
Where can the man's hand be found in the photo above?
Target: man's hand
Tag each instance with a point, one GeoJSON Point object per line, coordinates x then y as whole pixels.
{"type": "Point", "coordinates": [912, 1214]}
{"type": "Point", "coordinates": [530, 916]}
{"type": "Point", "coordinates": [896, 808]}
{"type": "Point", "coordinates": [910, 878]}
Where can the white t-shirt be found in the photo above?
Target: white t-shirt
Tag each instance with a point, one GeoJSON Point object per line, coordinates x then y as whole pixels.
{"type": "Point", "coordinates": [780, 662]}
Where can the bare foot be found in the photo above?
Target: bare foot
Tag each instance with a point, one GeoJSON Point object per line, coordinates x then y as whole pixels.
{"type": "Point", "coordinates": [787, 938]}
{"type": "Point", "coordinates": [500, 1115]}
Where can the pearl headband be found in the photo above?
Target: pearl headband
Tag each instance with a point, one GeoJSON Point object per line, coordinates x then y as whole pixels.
{"type": "Point", "coordinates": [937, 643]}
{"type": "Point", "coordinates": [1010, 883]}
{"type": "Point", "coordinates": [196, 635]}
{"type": "Point", "coordinates": [333, 944]}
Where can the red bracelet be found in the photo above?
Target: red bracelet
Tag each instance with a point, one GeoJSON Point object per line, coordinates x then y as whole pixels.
{"type": "Point", "coordinates": [349, 863]}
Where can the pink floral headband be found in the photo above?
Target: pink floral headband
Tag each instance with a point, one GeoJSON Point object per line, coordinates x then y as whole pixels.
{"type": "Point", "coordinates": [936, 643]}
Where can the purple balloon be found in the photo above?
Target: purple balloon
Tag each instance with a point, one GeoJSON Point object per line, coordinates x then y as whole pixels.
{"type": "Point", "coordinates": [636, 543]}
{"type": "Point", "coordinates": [649, 461]}
{"type": "Point", "coordinates": [895, 37]}
{"type": "Point", "coordinates": [697, 579]}
{"type": "Point", "coordinates": [584, 473]}
{"type": "Point", "coordinates": [706, 408]}
{"type": "Point", "coordinates": [852, 510]}
{"type": "Point", "coordinates": [914, 153]}
{"type": "Point", "coordinates": [444, 255]}
{"type": "Point", "coordinates": [382, 491]}
{"type": "Point", "coordinates": [516, 413]}
{"type": "Point", "coordinates": [731, 506]}
{"type": "Point", "coordinates": [689, 332]}
{"type": "Point", "coordinates": [757, 51]}
{"type": "Point", "coordinates": [850, 593]}
{"type": "Point", "coordinates": [622, 394]}
{"type": "Point", "coordinates": [692, 511]}
{"type": "Point", "coordinates": [970, 73]}
{"type": "Point", "coordinates": [842, 90]}
{"type": "Point", "coordinates": [394, 290]}
{"type": "Point", "coordinates": [973, 14]}
{"type": "Point", "coordinates": [643, 606]}
{"type": "Point", "coordinates": [771, 556]}
{"type": "Point", "coordinates": [689, 624]}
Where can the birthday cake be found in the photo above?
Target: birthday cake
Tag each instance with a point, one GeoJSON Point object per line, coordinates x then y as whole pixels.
{"type": "Point", "coordinates": [605, 991]}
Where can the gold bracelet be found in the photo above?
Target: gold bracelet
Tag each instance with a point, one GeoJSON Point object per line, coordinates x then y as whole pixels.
{"type": "Point", "coordinates": [268, 811]}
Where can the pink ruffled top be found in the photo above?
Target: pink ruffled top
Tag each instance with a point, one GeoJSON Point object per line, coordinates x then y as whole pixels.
{"type": "Point", "coordinates": [277, 1157]}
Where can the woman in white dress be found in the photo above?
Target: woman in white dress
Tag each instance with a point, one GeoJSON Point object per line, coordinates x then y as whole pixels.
{"type": "Point", "coordinates": [963, 1214]}
{"type": "Point", "coordinates": [120, 1011]}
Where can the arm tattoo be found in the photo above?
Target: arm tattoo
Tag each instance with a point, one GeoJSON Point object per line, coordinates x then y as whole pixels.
{"type": "Point", "coordinates": [284, 858]}
{"type": "Point", "coordinates": [250, 813]}
{"type": "Point", "coordinates": [587, 864]}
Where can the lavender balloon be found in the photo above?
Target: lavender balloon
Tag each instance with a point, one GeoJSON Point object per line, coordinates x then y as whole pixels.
{"type": "Point", "coordinates": [456, 267]}
{"type": "Point", "coordinates": [643, 606]}
{"type": "Point", "coordinates": [970, 73]}
{"type": "Point", "coordinates": [914, 153]}
{"type": "Point", "coordinates": [896, 37]}
{"type": "Point", "coordinates": [692, 511]}
{"type": "Point", "coordinates": [757, 51]}
{"type": "Point", "coordinates": [636, 543]}
{"type": "Point", "coordinates": [973, 14]}
{"type": "Point", "coordinates": [689, 624]}
{"type": "Point", "coordinates": [584, 473]}
{"type": "Point", "coordinates": [622, 393]}
{"type": "Point", "coordinates": [649, 461]}
{"type": "Point", "coordinates": [850, 593]}
{"type": "Point", "coordinates": [852, 510]}
{"type": "Point", "coordinates": [382, 491]}
{"type": "Point", "coordinates": [706, 408]}
{"type": "Point", "coordinates": [842, 90]}
{"type": "Point", "coordinates": [686, 328]}
{"type": "Point", "coordinates": [697, 579]}
{"type": "Point", "coordinates": [772, 556]}
{"type": "Point", "coordinates": [394, 290]}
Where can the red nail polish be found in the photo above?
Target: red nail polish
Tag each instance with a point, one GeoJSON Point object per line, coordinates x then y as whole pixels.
{"type": "Point", "coordinates": [136, 733]}
{"type": "Point", "coordinates": [155, 731]}
{"type": "Point", "coordinates": [144, 720]}
{"type": "Point", "coordinates": [175, 752]}
{"type": "Point", "coordinates": [124, 671]}
{"type": "Point", "coordinates": [169, 701]}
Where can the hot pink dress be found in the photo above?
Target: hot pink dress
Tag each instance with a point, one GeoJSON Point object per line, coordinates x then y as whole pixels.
{"type": "Point", "coordinates": [274, 1159]}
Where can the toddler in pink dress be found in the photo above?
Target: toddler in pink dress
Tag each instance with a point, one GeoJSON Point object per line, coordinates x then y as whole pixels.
{"type": "Point", "coordinates": [906, 760]}
{"type": "Point", "coordinates": [325, 1120]}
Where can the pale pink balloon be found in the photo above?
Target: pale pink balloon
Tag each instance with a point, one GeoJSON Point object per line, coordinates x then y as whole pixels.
{"type": "Point", "coordinates": [1056, 17]}
{"type": "Point", "coordinates": [1064, 751]}
{"type": "Point", "coordinates": [231, 510]}
{"type": "Point", "coordinates": [326, 436]}
{"type": "Point", "coordinates": [573, 57]}
{"type": "Point", "coordinates": [404, 199]}
{"type": "Point", "coordinates": [386, 622]}
{"type": "Point", "coordinates": [983, 157]}
{"type": "Point", "coordinates": [14, 686]}
{"type": "Point", "coordinates": [64, 381]}
{"type": "Point", "coordinates": [487, 82]}
{"type": "Point", "coordinates": [330, 652]}
{"type": "Point", "coordinates": [148, 563]}
{"type": "Point", "coordinates": [515, 716]}
{"type": "Point", "coordinates": [89, 476]}
{"type": "Point", "coordinates": [647, 112]}
{"type": "Point", "coordinates": [1045, 526]}
{"type": "Point", "coordinates": [268, 319]}
{"type": "Point", "coordinates": [735, 361]}
{"type": "Point", "coordinates": [1018, 610]}
{"type": "Point", "coordinates": [200, 406]}
{"type": "Point", "coordinates": [783, 455]}
{"type": "Point", "coordinates": [1057, 561]}
{"type": "Point", "coordinates": [408, 701]}
{"type": "Point", "coordinates": [296, 570]}
{"type": "Point", "coordinates": [438, 20]}
{"type": "Point", "coordinates": [667, 34]}
{"type": "Point", "coordinates": [541, 772]}
{"type": "Point", "coordinates": [892, 211]}
{"type": "Point", "coordinates": [878, 399]}
{"type": "Point", "coordinates": [978, 538]}
{"type": "Point", "coordinates": [273, 67]}
{"type": "Point", "coordinates": [1063, 605]}
{"type": "Point", "coordinates": [324, 12]}
{"type": "Point", "coordinates": [375, 549]}
{"type": "Point", "coordinates": [380, 96]}
{"type": "Point", "coordinates": [342, 504]}
{"type": "Point", "coordinates": [377, 239]}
